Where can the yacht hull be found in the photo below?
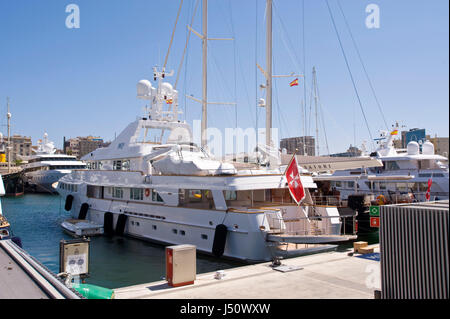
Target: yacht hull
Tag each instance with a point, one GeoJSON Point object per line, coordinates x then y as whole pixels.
{"type": "Point", "coordinates": [177, 226]}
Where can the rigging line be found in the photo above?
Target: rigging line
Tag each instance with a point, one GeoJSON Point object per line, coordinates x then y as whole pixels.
{"type": "Point", "coordinates": [186, 44]}
{"type": "Point", "coordinates": [363, 65]}
{"type": "Point", "coordinates": [237, 65]}
{"type": "Point", "coordinates": [173, 34]}
{"type": "Point", "coordinates": [234, 62]}
{"type": "Point", "coordinates": [304, 72]}
{"type": "Point", "coordinates": [310, 108]}
{"type": "Point", "coordinates": [349, 71]}
{"type": "Point", "coordinates": [324, 129]}
{"type": "Point", "coordinates": [281, 120]}
{"type": "Point", "coordinates": [321, 115]}
{"type": "Point", "coordinates": [239, 62]}
{"type": "Point", "coordinates": [221, 85]}
{"type": "Point", "coordinates": [256, 72]}
{"type": "Point", "coordinates": [186, 53]}
{"type": "Point", "coordinates": [288, 44]}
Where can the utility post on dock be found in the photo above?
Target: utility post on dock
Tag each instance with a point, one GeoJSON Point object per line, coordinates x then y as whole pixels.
{"type": "Point", "coordinates": [8, 147]}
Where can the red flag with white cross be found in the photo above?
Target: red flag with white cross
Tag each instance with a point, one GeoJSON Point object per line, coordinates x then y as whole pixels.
{"type": "Point", "coordinates": [294, 181]}
{"type": "Point", "coordinates": [428, 195]}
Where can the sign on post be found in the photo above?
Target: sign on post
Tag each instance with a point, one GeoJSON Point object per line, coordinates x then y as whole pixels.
{"type": "Point", "coordinates": [374, 211]}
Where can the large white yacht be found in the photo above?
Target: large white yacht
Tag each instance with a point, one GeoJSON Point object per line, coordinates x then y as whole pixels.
{"type": "Point", "coordinates": [153, 183]}
{"type": "Point", "coordinates": [403, 172]}
{"type": "Point", "coordinates": [44, 168]}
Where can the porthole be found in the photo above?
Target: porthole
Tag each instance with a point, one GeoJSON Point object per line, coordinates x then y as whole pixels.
{"type": "Point", "coordinates": [175, 231]}
{"type": "Point", "coordinates": [204, 236]}
{"type": "Point", "coordinates": [182, 232]}
{"type": "Point", "coordinates": [154, 227]}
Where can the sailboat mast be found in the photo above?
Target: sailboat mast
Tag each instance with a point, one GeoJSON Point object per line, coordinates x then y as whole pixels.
{"type": "Point", "coordinates": [269, 73]}
{"type": "Point", "coordinates": [316, 109]}
{"type": "Point", "coordinates": [205, 72]}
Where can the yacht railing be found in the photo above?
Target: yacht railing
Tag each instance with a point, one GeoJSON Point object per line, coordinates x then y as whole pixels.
{"type": "Point", "coordinates": [399, 197]}
{"type": "Point", "coordinates": [313, 225]}
{"type": "Point", "coordinates": [327, 200]}
{"type": "Point", "coordinates": [388, 197]}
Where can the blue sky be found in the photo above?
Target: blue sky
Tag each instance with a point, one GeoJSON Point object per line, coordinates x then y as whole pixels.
{"type": "Point", "coordinates": [76, 82]}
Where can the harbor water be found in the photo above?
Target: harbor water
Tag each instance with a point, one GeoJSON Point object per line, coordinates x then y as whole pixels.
{"type": "Point", "coordinates": [114, 262]}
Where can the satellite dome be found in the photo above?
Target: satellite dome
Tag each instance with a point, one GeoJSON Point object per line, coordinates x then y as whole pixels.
{"type": "Point", "coordinates": [413, 148]}
{"type": "Point", "coordinates": [167, 89]}
{"type": "Point", "coordinates": [144, 89]}
{"type": "Point", "coordinates": [428, 148]}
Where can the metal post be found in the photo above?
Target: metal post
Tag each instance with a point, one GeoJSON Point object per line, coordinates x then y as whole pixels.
{"type": "Point", "coordinates": [8, 116]}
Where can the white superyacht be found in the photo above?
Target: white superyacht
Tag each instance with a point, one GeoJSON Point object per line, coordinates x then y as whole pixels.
{"type": "Point", "coordinates": [155, 184]}
{"type": "Point", "coordinates": [170, 191]}
{"type": "Point", "coordinates": [404, 172]}
{"type": "Point", "coordinates": [44, 168]}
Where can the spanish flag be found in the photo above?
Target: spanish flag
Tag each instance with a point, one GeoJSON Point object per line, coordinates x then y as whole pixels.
{"type": "Point", "coordinates": [394, 132]}
{"type": "Point", "coordinates": [169, 101]}
{"type": "Point", "coordinates": [294, 83]}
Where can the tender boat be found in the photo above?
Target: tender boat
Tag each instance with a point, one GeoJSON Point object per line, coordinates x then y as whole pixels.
{"type": "Point", "coordinates": [82, 228]}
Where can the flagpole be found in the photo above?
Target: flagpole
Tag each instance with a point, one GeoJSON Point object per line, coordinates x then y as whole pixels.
{"type": "Point", "coordinates": [295, 153]}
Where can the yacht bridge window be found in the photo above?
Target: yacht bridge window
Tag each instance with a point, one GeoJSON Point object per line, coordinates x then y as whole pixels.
{"type": "Point", "coordinates": [121, 165]}
{"type": "Point", "coordinates": [117, 192]}
{"type": "Point", "coordinates": [391, 165]}
{"type": "Point", "coordinates": [136, 193]}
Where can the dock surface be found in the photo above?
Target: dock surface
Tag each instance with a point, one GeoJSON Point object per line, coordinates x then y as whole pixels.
{"type": "Point", "coordinates": [332, 275]}
{"type": "Point", "coordinates": [21, 277]}
{"type": "Point", "coordinates": [15, 282]}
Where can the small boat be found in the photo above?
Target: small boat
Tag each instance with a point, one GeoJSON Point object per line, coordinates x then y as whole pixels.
{"type": "Point", "coordinates": [81, 228]}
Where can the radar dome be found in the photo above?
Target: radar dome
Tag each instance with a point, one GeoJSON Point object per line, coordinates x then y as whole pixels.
{"type": "Point", "coordinates": [144, 89]}
{"type": "Point", "coordinates": [428, 148]}
{"type": "Point", "coordinates": [167, 89]}
{"type": "Point", "coordinates": [413, 148]}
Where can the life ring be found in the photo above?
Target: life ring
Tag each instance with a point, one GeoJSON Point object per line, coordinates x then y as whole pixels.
{"type": "Point", "coordinates": [147, 192]}
{"type": "Point", "coordinates": [381, 200]}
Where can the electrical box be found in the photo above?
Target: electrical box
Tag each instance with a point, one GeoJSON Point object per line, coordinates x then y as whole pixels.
{"type": "Point", "coordinates": [74, 257]}
{"type": "Point", "coordinates": [181, 265]}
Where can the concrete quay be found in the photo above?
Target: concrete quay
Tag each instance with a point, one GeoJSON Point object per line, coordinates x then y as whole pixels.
{"type": "Point", "coordinates": [21, 277]}
{"type": "Point", "coordinates": [332, 275]}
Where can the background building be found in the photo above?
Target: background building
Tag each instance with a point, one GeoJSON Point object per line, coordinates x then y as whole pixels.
{"type": "Point", "coordinates": [440, 145]}
{"type": "Point", "coordinates": [352, 151]}
{"type": "Point", "coordinates": [20, 146]}
{"type": "Point", "coordinates": [293, 143]}
{"type": "Point", "coordinates": [81, 146]}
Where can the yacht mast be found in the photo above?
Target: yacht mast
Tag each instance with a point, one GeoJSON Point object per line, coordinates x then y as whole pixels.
{"type": "Point", "coordinates": [269, 73]}
{"type": "Point", "coordinates": [316, 109]}
{"type": "Point", "coordinates": [205, 72]}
